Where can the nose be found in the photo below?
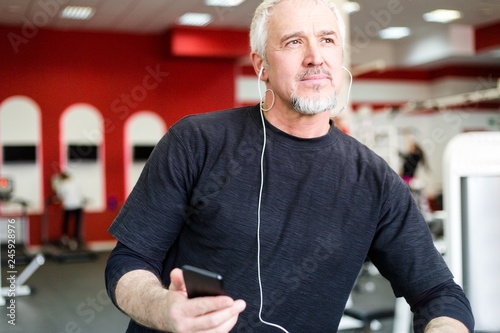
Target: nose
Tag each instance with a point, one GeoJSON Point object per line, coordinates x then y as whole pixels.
{"type": "Point", "coordinates": [313, 56]}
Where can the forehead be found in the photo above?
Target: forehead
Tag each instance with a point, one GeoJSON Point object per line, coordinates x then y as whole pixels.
{"type": "Point", "coordinates": [291, 16]}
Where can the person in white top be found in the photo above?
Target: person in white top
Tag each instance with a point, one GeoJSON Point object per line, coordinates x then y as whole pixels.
{"type": "Point", "coordinates": [71, 196]}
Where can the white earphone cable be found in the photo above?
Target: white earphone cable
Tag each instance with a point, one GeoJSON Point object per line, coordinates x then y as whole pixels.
{"type": "Point", "coordinates": [259, 206]}
{"type": "Point", "coordinates": [264, 142]}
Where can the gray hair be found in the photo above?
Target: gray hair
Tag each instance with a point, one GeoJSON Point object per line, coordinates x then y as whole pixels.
{"type": "Point", "coordinates": [258, 28]}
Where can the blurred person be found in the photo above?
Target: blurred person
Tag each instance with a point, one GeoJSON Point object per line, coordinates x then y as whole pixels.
{"type": "Point", "coordinates": [412, 159]}
{"type": "Point", "coordinates": [71, 196]}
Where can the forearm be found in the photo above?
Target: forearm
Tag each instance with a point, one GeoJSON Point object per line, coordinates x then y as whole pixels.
{"type": "Point", "coordinates": [445, 325]}
{"type": "Point", "coordinates": [141, 296]}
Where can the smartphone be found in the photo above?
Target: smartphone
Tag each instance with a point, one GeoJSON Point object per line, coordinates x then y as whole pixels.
{"type": "Point", "coordinates": [200, 282]}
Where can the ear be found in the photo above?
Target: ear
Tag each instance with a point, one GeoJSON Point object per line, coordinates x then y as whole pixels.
{"type": "Point", "coordinates": [258, 63]}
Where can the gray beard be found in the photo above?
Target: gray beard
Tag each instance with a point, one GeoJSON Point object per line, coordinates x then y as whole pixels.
{"type": "Point", "coordinates": [312, 106]}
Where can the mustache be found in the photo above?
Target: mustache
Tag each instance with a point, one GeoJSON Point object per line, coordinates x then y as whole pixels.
{"type": "Point", "coordinates": [314, 71]}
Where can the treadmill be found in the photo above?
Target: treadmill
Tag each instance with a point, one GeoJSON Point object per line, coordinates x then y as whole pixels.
{"type": "Point", "coordinates": [57, 251]}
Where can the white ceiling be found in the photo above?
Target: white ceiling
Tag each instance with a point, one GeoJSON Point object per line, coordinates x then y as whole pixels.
{"type": "Point", "coordinates": [154, 16]}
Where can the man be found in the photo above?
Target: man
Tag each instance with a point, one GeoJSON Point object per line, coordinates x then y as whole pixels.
{"type": "Point", "coordinates": [286, 212]}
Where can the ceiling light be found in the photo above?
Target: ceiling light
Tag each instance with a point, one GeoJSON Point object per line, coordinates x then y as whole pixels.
{"type": "Point", "coordinates": [351, 7]}
{"type": "Point", "coordinates": [224, 3]}
{"type": "Point", "coordinates": [394, 32]}
{"type": "Point", "coordinates": [442, 15]}
{"type": "Point", "coordinates": [77, 12]}
{"type": "Point", "coordinates": [196, 19]}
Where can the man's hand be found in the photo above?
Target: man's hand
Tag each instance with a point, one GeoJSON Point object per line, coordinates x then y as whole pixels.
{"type": "Point", "coordinates": [214, 314]}
{"type": "Point", "coordinates": [141, 295]}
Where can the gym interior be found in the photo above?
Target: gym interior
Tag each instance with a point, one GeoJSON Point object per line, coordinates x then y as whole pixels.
{"type": "Point", "coordinates": [91, 97]}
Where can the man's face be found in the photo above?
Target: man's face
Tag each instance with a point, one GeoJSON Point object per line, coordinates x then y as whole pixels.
{"type": "Point", "coordinates": [304, 54]}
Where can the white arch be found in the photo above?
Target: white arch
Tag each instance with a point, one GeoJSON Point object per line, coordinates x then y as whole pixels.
{"type": "Point", "coordinates": [20, 125]}
{"type": "Point", "coordinates": [142, 128]}
{"type": "Point", "coordinates": [82, 124]}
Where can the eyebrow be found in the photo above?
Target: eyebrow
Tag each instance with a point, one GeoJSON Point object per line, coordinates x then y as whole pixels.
{"type": "Point", "coordinates": [301, 33]}
{"type": "Point", "coordinates": [327, 33]}
{"type": "Point", "coordinates": [292, 35]}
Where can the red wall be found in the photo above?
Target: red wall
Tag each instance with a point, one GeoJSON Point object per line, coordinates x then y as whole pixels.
{"type": "Point", "coordinates": [112, 72]}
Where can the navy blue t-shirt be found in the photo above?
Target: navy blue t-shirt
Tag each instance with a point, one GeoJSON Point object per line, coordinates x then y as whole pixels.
{"type": "Point", "coordinates": [327, 204]}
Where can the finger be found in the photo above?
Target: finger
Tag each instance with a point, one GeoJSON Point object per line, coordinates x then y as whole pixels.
{"type": "Point", "coordinates": [222, 320]}
{"type": "Point", "coordinates": [200, 306]}
{"type": "Point", "coordinates": [226, 326]}
{"type": "Point", "coordinates": [177, 280]}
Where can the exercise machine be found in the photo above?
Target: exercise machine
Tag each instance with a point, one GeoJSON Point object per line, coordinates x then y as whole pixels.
{"type": "Point", "coordinates": [471, 179]}
{"type": "Point", "coordinates": [14, 233]}
{"type": "Point", "coordinates": [61, 252]}
{"type": "Point", "coordinates": [17, 286]}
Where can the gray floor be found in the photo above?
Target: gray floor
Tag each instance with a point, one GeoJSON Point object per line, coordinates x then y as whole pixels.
{"type": "Point", "coordinates": [70, 298]}
{"type": "Point", "coordinates": [67, 298]}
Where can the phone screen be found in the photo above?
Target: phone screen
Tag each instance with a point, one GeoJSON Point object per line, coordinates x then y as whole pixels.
{"type": "Point", "coordinates": [200, 282]}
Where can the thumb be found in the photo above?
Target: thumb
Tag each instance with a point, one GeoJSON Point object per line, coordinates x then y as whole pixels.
{"type": "Point", "coordinates": [177, 280]}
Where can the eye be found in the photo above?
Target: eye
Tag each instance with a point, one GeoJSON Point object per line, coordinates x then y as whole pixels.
{"type": "Point", "coordinates": [293, 42]}
{"type": "Point", "coordinates": [328, 41]}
